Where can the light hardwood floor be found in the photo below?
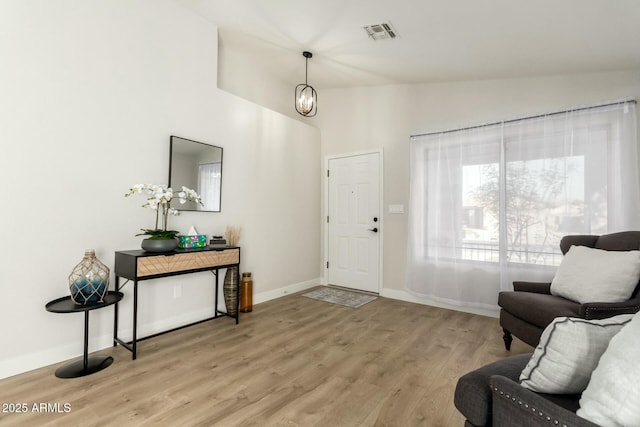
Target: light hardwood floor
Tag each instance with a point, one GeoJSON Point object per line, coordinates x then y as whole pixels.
{"type": "Point", "coordinates": [291, 362]}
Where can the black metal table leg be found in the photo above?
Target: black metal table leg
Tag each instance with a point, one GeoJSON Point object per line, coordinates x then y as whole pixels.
{"type": "Point", "coordinates": [115, 315]}
{"type": "Point", "coordinates": [215, 311]}
{"type": "Point", "coordinates": [85, 354]}
{"type": "Point", "coordinates": [135, 320]}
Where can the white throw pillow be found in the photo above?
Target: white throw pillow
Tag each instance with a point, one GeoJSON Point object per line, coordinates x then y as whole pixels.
{"type": "Point", "coordinates": [612, 397]}
{"type": "Point", "coordinates": [594, 275]}
{"type": "Point", "coordinates": [568, 352]}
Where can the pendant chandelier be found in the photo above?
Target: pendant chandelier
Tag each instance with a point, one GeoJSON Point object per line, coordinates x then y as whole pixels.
{"type": "Point", "coordinates": [306, 98]}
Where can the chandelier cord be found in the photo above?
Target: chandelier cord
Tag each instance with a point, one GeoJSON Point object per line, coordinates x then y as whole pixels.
{"type": "Point", "coordinates": [306, 71]}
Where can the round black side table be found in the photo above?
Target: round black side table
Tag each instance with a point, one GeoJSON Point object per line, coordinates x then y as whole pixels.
{"type": "Point", "coordinates": [88, 365]}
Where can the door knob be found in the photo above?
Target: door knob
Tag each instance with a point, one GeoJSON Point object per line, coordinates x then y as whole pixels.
{"type": "Point", "coordinates": [374, 229]}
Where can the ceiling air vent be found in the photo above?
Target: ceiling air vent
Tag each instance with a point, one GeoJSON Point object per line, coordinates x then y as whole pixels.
{"type": "Point", "coordinates": [380, 31]}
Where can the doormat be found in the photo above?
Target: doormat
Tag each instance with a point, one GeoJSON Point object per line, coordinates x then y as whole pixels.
{"type": "Point", "coordinates": [337, 296]}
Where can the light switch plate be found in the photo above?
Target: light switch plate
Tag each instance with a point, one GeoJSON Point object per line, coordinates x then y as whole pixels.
{"type": "Point", "coordinates": [396, 209]}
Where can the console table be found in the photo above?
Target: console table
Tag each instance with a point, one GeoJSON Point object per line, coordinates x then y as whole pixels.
{"type": "Point", "coordinates": [139, 265]}
{"type": "Point", "coordinates": [88, 365]}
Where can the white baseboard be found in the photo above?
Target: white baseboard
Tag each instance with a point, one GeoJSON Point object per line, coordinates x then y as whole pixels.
{"type": "Point", "coordinates": [50, 356]}
{"type": "Point", "coordinates": [280, 292]}
{"type": "Point", "coordinates": [406, 296]}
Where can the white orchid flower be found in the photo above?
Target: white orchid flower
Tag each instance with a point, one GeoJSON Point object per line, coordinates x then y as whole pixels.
{"type": "Point", "coordinates": [159, 199]}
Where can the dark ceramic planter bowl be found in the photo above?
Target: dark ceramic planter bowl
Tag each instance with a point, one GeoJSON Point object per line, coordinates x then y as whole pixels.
{"type": "Point", "coordinates": [153, 245]}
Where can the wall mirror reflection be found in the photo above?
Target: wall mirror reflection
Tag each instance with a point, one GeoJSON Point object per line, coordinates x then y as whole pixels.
{"type": "Point", "coordinates": [198, 166]}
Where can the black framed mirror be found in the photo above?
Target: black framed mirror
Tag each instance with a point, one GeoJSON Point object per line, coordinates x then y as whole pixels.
{"type": "Point", "coordinates": [198, 166]}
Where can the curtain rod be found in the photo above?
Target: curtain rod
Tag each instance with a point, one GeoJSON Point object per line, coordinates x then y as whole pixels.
{"type": "Point", "coordinates": [632, 101]}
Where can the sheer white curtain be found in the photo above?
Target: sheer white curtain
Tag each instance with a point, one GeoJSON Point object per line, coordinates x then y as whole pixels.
{"type": "Point", "coordinates": [489, 205]}
{"type": "Point", "coordinates": [209, 175]}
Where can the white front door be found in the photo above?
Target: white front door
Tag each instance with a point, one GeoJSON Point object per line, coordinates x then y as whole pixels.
{"type": "Point", "coordinates": [354, 223]}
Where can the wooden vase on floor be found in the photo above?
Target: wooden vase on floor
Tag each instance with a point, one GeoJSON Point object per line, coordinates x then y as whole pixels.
{"type": "Point", "coordinates": [230, 290]}
{"type": "Point", "coordinates": [246, 293]}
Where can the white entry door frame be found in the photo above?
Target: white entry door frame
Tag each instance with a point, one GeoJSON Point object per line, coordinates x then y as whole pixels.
{"type": "Point", "coordinates": [379, 224]}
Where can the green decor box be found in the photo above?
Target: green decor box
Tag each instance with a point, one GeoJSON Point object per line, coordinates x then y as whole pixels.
{"type": "Point", "coordinates": [188, 242]}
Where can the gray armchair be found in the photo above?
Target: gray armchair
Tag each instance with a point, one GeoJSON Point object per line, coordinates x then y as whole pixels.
{"type": "Point", "coordinates": [527, 310]}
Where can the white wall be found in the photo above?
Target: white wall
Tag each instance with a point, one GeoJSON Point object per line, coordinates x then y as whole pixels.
{"type": "Point", "coordinates": [240, 72]}
{"type": "Point", "coordinates": [384, 117]}
{"type": "Point", "coordinates": [91, 91]}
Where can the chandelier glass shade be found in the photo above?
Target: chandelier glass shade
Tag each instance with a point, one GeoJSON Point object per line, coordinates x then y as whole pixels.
{"type": "Point", "coordinates": [306, 97]}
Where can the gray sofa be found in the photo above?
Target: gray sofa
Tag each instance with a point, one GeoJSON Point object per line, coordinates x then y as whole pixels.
{"type": "Point", "coordinates": [492, 396]}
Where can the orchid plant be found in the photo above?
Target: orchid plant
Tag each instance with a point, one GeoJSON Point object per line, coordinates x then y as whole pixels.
{"type": "Point", "coordinates": [159, 199]}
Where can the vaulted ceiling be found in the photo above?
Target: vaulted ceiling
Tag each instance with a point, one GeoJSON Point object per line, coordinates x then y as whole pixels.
{"type": "Point", "coordinates": [438, 40]}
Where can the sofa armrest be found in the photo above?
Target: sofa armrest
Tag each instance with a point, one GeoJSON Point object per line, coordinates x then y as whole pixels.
{"type": "Point", "coordinates": [601, 310]}
{"type": "Point", "coordinates": [535, 287]}
{"type": "Point", "coordinates": [514, 405]}
{"type": "Point", "coordinates": [472, 396]}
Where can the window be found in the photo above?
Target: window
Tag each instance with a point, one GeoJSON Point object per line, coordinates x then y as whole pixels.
{"type": "Point", "coordinates": [545, 200]}
{"type": "Point", "coordinates": [505, 194]}
{"type": "Point", "coordinates": [209, 175]}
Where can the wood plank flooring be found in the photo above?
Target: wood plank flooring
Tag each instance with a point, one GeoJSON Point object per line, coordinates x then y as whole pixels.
{"type": "Point", "coordinates": [293, 361]}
